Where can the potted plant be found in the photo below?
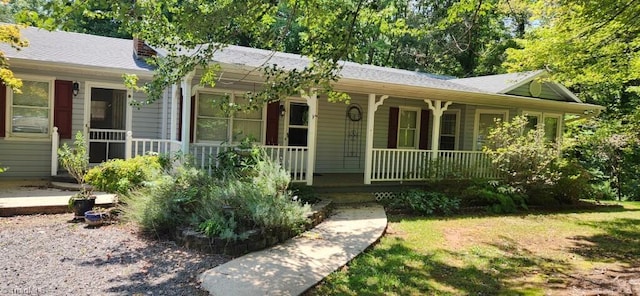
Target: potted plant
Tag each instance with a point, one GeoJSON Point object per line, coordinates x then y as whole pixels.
{"type": "Point", "coordinates": [76, 161]}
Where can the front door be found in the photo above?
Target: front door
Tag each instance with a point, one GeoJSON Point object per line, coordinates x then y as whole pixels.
{"type": "Point", "coordinates": [107, 125]}
{"type": "Point", "coordinates": [298, 124]}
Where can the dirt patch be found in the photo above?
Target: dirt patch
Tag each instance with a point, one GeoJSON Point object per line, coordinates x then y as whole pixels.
{"type": "Point", "coordinates": [47, 255]}
{"type": "Point", "coordinates": [600, 282]}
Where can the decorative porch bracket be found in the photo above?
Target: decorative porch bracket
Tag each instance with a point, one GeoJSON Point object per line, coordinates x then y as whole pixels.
{"type": "Point", "coordinates": [371, 115]}
{"type": "Point", "coordinates": [438, 108]}
{"type": "Point", "coordinates": [311, 98]}
{"type": "Point", "coordinates": [186, 110]}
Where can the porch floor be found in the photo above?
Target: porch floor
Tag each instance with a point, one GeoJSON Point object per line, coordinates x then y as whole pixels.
{"type": "Point", "coordinates": [353, 183]}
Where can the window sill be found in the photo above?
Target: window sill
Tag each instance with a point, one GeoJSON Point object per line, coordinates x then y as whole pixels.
{"type": "Point", "coordinates": [27, 138]}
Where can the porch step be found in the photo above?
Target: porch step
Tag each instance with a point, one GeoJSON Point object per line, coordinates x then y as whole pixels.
{"type": "Point", "coordinates": [63, 177]}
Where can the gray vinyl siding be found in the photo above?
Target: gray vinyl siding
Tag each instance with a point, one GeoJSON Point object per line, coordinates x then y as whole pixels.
{"type": "Point", "coordinates": [333, 127]}
{"type": "Point", "coordinates": [25, 159]}
{"type": "Point", "coordinates": [546, 93]}
{"type": "Point", "coordinates": [29, 159]}
{"type": "Point", "coordinates": [146, 121]}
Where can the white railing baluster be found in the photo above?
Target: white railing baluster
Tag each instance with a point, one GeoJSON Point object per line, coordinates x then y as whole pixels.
{"type": "Point", "coordinates": [411, 164]}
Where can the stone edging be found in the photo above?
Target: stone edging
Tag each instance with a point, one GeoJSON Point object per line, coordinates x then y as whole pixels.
{"type": "Point", "coordinates": [257, 239]}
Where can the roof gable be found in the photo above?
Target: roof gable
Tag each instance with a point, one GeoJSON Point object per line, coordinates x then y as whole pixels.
{"type": "Point", "coordinates": [518, 84]}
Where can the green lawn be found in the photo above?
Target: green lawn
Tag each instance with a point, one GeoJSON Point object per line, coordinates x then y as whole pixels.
{"type": "Point", "coordinates": [529, 254]}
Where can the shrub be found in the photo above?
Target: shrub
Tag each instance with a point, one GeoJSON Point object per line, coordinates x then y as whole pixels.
{"type": "Point", "coordinates": [525, 159]}
{"type": "Point", "coordinates": [303, 193]}
{"type": "Point", "coordinates": [498, 199]}
{"type": "Point", "coordinates": [227, 207]}
{"type": "Point", "coordinates": [262, 202]}
{"type": "Point", "coordinates": [76, 161]}
{"type": "Point", "coordinates": [425, 202]}
{"type": "Point", "coordinates": [121, 176]}
{"type": "Point", "coordinates": [571, 182]}
{"type": "Point", "coordinates": [167, 202]}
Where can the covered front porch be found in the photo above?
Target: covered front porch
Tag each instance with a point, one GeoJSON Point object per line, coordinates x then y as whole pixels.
{"type": "Point", "coordinates": [380, 165]}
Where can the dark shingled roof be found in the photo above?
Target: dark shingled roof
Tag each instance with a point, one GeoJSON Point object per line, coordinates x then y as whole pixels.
{"type": "Point", "coordinates": [252, 57]}
{"type": "Point", "coordinates": [77, 49]}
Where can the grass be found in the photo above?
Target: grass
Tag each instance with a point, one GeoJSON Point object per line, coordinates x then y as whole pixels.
{"type": "Point", "coordinates": [530, 254]}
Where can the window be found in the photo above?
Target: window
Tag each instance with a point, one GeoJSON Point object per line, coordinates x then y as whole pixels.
{"type": "Point", "coordinates": [247, 124]}
{"type": "Point", "coordinates": [30, 111]}
{"type": "Point", "coordinates": [408, 128]}
{"type": "Point", "coordinates": [449, 130]}
{"type": "Point", "coordinates": [213, 124]}
{"type": "Point", "coordinates": [552, 127]}
{"type": "Point", "coordinates": [533, 118]}
{"type": "Point", "coordinates": [485, 121]}
{"type": "Point", "coordinates": [551, 124]}
{"type": "Point", "coordinates": [298, 124]}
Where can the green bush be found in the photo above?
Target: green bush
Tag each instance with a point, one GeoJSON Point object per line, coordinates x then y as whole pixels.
{"type": "Point", "coordinates": [303, 193]}
{"type": "Point", "coordinates": [497, 199]}
{"type": "Point", "coordinates": [571, 182]}
{"type": "Point", "coordinates": [167, 202]}
{"type": "Point", "coordinates": [524, 159]}
{"type": "Point", "coordinates": [121, 176]}
{"type": "Point", "coordinates": [226, 207]}
{"type": "Point", "coordinates": [262, 202]}
{"type": "Point", "coordinates": [425, 202]}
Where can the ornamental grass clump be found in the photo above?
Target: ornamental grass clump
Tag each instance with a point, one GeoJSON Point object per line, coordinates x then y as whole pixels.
{"type": "Point", "coordinates": [245, 198]}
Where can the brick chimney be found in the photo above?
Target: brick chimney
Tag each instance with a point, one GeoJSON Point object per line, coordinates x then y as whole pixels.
{"type": "Point", "coordinates": [142, 50]}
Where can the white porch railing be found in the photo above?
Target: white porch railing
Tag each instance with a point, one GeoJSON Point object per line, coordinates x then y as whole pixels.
{"type": "Point", "coordinates": [416, 165]}
{"type": "Point", "coordinates": [112, 140]}
{"type": "Point", "coordinates": [291, 158]}
{"type": "Point", "coordinates": [146, 146]}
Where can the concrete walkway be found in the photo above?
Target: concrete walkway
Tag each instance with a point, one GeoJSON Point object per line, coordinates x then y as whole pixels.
{"type": "Point", "coordinates": [25, 199]}
{"type": "Point", "coordinates": [300, 263]}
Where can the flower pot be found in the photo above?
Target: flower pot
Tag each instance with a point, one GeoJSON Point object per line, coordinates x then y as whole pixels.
{"type": "Point", "coordinates": [80, 206]}
{"type": "Point", "coordinates": [94, 218]}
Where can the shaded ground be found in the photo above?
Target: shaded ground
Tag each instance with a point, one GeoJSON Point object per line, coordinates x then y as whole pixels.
{"type": "Point", "coordinates": [592, 252]}
{"type": "Point", "coordinates": [46, 255]}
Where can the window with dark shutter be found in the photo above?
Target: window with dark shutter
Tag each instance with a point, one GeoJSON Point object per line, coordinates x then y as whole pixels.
{"type": "Point", "coordinates": [3, 109]}
{"type": "Point", "coordinates": [392, 133]}
{"type": "Point", "coordinates": [273, 122]}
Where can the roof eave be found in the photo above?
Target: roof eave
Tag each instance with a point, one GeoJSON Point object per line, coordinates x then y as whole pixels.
{"type": "Point", "coordinates": [18, 62]}
{"type": "Point", "coordinates": [466, 97]}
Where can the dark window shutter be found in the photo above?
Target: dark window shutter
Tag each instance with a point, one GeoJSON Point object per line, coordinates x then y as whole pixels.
{"type": "Point", "coordinates": [392, 133]}
{"type": "Point", "coordinates": [179, 129]}
{"type": "Point", "coordinates": [423, 144]}
{"type": "Point", "coordinates": [63, 107]}
{"type": "Point", "coordinates": [273, 121]}
{"type": "Point", "coordinates": [3, 108]}
{"type": "Point", "coordinates": [192, 120]}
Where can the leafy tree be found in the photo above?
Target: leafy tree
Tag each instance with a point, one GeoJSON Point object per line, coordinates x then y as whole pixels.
{"type": "Point", "coordinates": [594, 48]}
{"type": "Point", "coordinates": [611, 149]}
{"type": "Point", "coordinates": [10, 34]}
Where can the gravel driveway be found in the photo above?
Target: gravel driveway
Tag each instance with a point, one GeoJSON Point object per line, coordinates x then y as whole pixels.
{"type": "Point", "coordinates": [46, 255]}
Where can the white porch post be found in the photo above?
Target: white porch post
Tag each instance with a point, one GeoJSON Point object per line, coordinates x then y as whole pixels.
{"type": "Point", "coordinates": [368, 151]}
{"type": "Point", "coordinates": [175, 96]}
{"type": "Point", "coordinates": [55, 143]}
{"type": "Point", "coordinates": [128, 145]}
{"type": "Point", "coordinates": [312, 102]}
{"type": "Point", "coordinates": [186, 111]}
{"type": "Point", "coordinates": [437, 110]}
